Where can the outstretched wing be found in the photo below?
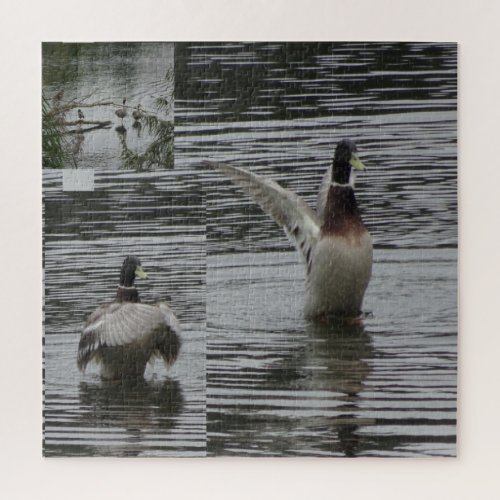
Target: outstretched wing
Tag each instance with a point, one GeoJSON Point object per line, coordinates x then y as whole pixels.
{"type": "Point", "coordinates": [122, 324]}
{"type": "Point", "coordinates": [288, 209]}
{"type": "Point", "coordinates": [167, 342]}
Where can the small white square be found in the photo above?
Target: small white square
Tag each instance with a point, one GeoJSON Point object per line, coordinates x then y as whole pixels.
{"type": "Point", "coordinates": [78, 180]}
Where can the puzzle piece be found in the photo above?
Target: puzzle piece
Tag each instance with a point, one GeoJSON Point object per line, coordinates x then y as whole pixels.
{"type": "Point", "coordinates": [253, 376]}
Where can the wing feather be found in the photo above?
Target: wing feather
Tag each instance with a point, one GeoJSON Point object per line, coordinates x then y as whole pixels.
{"type": "Point", "coordinates": [123, 323]}
{"type": "Point", "coordinates": [167, 340]}
{"type": "Point", "coordinates": [288, 209]}
{"type": "Point", "coordinates": [169, 317]}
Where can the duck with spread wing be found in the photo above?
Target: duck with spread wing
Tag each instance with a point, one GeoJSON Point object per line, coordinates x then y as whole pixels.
{"type": "Point", "coordinates": [333, 240]}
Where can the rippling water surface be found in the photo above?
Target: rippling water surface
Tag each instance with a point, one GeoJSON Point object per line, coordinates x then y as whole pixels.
{"type": "Point", "coordinates": [253, 375]}
{"type": "Point", "coordinates": [276, 384]}
{"type": "Point", "coordinates": [158, 217]}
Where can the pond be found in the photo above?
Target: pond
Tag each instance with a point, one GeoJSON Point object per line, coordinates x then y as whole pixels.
{"type": "Point", "coordinates": [277, 384]}
{"type": "Point", "coordinates": [254, 377]}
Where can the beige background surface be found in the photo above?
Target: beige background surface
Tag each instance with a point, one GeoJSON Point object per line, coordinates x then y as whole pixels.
{"type": "Point", "coordinates": [474, 24]}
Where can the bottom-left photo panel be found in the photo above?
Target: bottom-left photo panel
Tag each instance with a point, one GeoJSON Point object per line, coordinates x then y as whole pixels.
{"type": "Point", "coordinates": [124, 314]}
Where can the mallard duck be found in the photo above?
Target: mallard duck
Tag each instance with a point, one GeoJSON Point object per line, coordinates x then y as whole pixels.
{"type": "Point", "coordinates": [57, 99]}
{"type": "Point", "coordinates": [122, 112]}
{"type": "Point", "coordinates": [124, 335]}
{"type": "Point", "coordinates": [137, 113]}
{"type": "Point", "coordinates": [335, 244]}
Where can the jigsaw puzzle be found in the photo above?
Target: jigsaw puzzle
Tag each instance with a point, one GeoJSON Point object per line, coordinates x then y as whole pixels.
{"type": "Point", "coordinates": [250, 249]}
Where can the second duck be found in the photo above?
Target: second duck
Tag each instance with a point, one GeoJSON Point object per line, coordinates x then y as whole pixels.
{"type": "Point", "coordinates": [123, 336]}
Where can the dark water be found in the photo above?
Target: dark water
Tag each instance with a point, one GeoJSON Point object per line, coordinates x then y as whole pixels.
{"type": "Point", "coordinates": [158, 217]}
{"type": "Point", "coordinates": [275, 383]}
{"type": "Point", "coordinates": [280, 385]}
{"type": "Point", "coordinates": [96, 77]}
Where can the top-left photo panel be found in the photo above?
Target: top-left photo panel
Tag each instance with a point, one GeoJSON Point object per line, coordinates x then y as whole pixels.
{"type": "Point", "coordinates": [108, 105]}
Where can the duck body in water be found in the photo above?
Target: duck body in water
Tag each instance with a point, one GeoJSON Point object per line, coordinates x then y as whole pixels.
{"type": "Point", "coordinates": [137, 114]}
{"type": "Point", "coordinates": [122, 112]}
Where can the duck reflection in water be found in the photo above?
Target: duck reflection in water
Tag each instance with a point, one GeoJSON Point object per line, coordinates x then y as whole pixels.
{"type": "Point", "coordinates": [327, 373]}
{"type": "Point", "coordinates": [121, 130]}
{"type": "Point", "coordinates": [140, 408]}
{"type": "Point", "coordinates": [309, 389]}
{"type": "Point", "coordinates": [342, 349]}
{"type": "Point", "coordinates": [137, 126]}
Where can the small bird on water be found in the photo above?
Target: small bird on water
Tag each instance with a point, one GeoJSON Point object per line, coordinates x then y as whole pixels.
{"type": "Point", "coordinates": [122, 112]}
{"type": "Point", "coordinates": [137, 113]}
{"type": "Point", "coordinates": [56, 100]}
